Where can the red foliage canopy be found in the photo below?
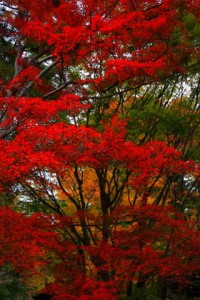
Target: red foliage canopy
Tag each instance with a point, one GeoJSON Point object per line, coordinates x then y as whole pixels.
{"type": "Point", "coordinates": [72, 60]}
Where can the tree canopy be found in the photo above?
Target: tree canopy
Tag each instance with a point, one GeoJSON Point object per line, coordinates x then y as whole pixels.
{"type": "Point", "coordinates": [99, 147]}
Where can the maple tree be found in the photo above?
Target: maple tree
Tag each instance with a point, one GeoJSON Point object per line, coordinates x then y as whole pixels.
{"type": "Point", "coordinates": [99, 144]}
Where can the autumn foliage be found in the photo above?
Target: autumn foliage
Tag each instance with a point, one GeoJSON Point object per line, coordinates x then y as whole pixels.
{"type": "Point", "coordinates": [99, 130]}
